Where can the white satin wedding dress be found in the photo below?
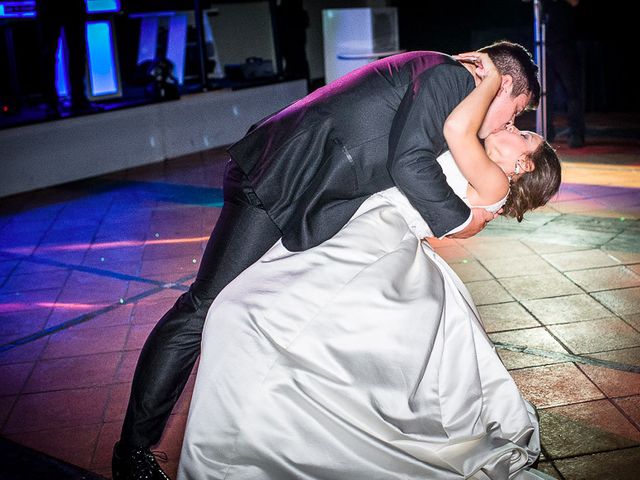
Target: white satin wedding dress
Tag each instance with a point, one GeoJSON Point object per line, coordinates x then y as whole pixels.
{"type": "Point", "coordinates": [362, 358]}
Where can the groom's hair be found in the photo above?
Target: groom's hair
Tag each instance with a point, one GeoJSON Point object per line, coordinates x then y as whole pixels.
{"type": "Point", "coordinates": [515, 60]}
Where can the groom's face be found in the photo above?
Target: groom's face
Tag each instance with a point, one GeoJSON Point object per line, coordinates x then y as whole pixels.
{"type": "Point", "coordinates": [503, 110]}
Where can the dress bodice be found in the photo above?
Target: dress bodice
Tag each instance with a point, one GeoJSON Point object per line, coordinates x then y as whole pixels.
{"type": "Point", "coordinates": [456, 181]}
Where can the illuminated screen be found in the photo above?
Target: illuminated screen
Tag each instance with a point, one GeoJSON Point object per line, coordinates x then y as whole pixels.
{"type": "Point", "coordinates": [96, 6]}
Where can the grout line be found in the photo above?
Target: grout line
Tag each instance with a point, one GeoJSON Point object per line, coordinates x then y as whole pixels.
{"type": "Point", "coordinates": [567, 357]}
{"type": "Point", "coordinates": [82, 268]}
{"type": "Point", "coordinates": [89, 316]}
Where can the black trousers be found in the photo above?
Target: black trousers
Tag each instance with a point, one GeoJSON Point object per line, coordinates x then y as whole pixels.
{"type": "Point", "coordinates": [243, 233]}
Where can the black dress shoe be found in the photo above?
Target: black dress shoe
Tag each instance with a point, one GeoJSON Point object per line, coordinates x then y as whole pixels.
{"type": "Point", "coordinates": [136, 464]}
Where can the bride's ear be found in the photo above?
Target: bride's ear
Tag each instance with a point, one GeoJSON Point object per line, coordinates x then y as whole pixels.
{"type": "Point", "coordinates": [527, 164]}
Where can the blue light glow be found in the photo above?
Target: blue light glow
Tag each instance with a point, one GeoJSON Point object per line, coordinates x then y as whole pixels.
{"type": "Point", "coordinates": [62, 73]}
{"type": "Point", "coordinates": [22, 9]}
{"type": "Point", "coordinates": [96, 6]}
{"type": "Point", "coordinates": [102, 65]}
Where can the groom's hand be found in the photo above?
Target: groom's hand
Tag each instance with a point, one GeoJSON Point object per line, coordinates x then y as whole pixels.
{"type": "Point", "coordinates": [479, 220]}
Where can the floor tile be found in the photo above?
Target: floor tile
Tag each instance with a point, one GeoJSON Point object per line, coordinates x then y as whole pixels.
{"type": "Point", "coordinates": [127, 366]}
{"type": "Point", "coordinates": [108, 436]}
{"type": "Point", "coordinates": [625, 257]}
{"type": "Point", "coordinates": [582, 428]}
{"type": "Point", "coordinates": [544, 246]}
{"type": "Point", "coordinates": [84, 287]}
{"type": "Point", "coordinates": [76, 313]}
{"type": "Point", "coordinates": [606, 278]}
{"type": "Point", "coordinates": [88, 371]}
{"type": "Point", "coordinates": [73, 445]}
{"type": "Point", "coordinates": [572, 237]}
{"type": "Point", "coordinates": [7, 267]}
{"type": "Point", "coordinates": [505, 316]}
{"type": "Point", "coordinates": [454, 253]}
{"type": "Point", "coordinates": [565, 309]}
{"type": "Point", "coordinates": [596, 335]}
{"type": "Point", "coordinates": [627, 241]}
{"type": "Point", "coordinates": [525, 265]}
{"type": "Point", "coordinates": [64, 408]}
{"type": "Point", "coordinates": [580, 260]}
{"type": "Point", "coordinates": [170, 269]}
{"type": "Point", "coordinates": [548, 468]}
{"type": "Point", "coordinates": [14, 377]}
{"type": "Point", "coordinates": [496, 250]}
{"type": "Point", "coordinates": [120, 315]}
{"type": "Point", "coordinates": [622, 302]}
{"type": "Point", "coordinates": [626, 356]}
{"type": "Point", "coordinates": [624, 199]}
{"type": "Point", "coordinates": [614, 383]}
{"type": "Point", "coordinates": [471, 271]}
{"type": "Point", "coordinates": [635, 268]}
{"type": "Point", "coordinates": [539, 286]}
{"type": "Point", "coordinates": [555, 385]}
{"type": "Point", "coordinates": [22, 353]}
{"type": "Point", "coordinates": [25, 282]}
{"type": "Point", "coordinates": [117, 404]}
{"type": "Point", "coordinates": [537, 338]}
{"type": "Point", "coordinates": [23, 322]}
{"type": "Point", "coordinates": [577, 206]}
{"type": "Point", "coordinates": [6, 404]}
{"type": "Point", "coordinates": [74, 342]}
{"type": "Point", "coordinates": [171, 442]}
{"type": "Point", "coordinates": [631, 407]}
{"type": "Point", "coordinates": [152, 308]}
{"type": "Point", "coordinates": [487, 292]}
{"type": "Point", "coordinates": [633, 320]}
{"type": "Point", "coordinates": [615, 465]}
{"type": "Point", "coordinates": [138, 335]}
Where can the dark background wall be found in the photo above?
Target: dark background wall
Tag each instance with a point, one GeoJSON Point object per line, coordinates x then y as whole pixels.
{"type": "Point", "coordinates": [607, 39]}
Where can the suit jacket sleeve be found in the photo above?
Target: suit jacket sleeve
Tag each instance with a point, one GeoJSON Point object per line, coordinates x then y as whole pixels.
{"type": "Point", "coordinates": [416, 139]}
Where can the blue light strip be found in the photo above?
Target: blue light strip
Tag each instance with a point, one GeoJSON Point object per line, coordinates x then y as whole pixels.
{"type": "Point", "coordinates": [102, 64]}
{"type": "Point", "coordinates": [62, 72]}
{"type": "Point", "coordinates": [148, 39]}
{"type": "Point", "coordinates": [176, 44]}
{"type": "Point", "coordinates": [24, 9]}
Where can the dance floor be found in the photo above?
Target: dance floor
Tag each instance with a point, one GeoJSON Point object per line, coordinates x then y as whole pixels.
{"type": "Point", "coordinates": [86, 269]}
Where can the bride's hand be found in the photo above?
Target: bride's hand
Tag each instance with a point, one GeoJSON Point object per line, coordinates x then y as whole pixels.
{"type": "Point", "coordinates": [483, 63]}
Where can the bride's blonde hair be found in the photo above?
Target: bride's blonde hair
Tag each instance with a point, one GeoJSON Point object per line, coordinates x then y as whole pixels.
{"type": "Point", "coordinates": [534, 189]}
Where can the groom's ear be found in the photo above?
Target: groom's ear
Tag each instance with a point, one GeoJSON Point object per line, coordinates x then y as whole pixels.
{"type": "Point", "coordinates": [506, 85]}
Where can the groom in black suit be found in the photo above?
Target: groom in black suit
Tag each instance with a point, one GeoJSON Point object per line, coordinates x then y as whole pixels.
{"type": "Point", "coordinates": [299, 175]}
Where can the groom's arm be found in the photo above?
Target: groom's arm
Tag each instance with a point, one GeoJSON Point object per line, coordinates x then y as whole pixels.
{"type": "Point", "coordinates": [416, 140]}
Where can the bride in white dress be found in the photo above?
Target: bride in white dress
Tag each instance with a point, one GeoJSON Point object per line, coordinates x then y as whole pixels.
{"type": "Point", "coordinates": [365, 357]}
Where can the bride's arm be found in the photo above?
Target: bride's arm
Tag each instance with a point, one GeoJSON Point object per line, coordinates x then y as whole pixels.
{"type": "Point", "coordinates": [461, 133]}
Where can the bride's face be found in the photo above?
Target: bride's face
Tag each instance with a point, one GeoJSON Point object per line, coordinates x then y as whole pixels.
{"type": "Point", "coordinates": [507, 146]}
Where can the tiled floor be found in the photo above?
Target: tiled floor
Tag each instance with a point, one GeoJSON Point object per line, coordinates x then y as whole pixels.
{"type": "Point", "coordinates": [86, 269]}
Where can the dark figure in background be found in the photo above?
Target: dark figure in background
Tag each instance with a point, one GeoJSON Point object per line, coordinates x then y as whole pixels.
{"type": "Point", "coordinates": [54, 16]}
{"type": "Point", "coordinates": [563, 68]}
{"type": "Point", "coordinates": [293, 22]}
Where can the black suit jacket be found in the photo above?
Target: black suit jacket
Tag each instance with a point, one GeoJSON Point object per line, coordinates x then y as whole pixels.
{"type": "Point", "coordinates": [313, 163]}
